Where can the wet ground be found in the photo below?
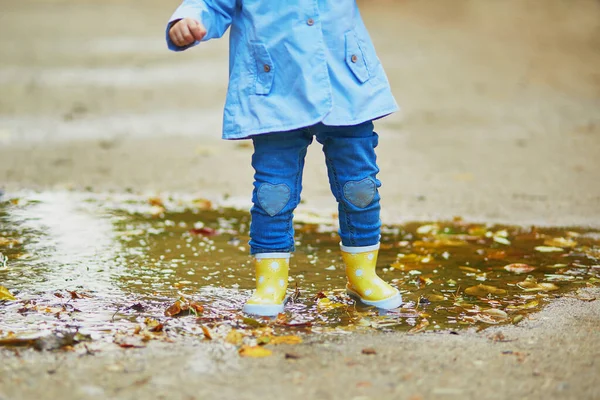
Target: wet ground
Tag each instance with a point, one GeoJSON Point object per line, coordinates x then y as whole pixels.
{"type": "Point", "coordinates": [103, 266]}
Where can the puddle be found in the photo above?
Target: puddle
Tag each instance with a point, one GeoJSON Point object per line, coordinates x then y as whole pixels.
{"type": "Point", "coordinates": [109, 266]}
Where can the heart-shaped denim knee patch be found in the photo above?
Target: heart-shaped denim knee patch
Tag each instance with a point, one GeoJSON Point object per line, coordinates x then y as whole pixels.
{"type": "Point", "coordinates": [272, 198]}
{"type": "Point", "coordinates": [360, 193]}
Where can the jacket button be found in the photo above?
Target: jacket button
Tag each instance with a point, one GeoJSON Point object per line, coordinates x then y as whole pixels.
{"type": "Point", "coordinates": [310, 22]}
{"type": "Point", "coordinates": [267, 68]}
{"type": "Point", "coordinates": [354, 58]}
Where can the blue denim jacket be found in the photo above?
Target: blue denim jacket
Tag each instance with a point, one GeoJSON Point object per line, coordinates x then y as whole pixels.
{"type": "Point", "coordinates": [293, 63]}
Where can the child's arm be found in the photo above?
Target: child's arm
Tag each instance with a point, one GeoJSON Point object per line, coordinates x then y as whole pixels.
{"type": "Point", "coordinates": [198, 20]}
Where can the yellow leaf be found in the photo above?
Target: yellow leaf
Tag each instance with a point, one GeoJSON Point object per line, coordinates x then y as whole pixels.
{"type": "Point", "coordinates": [286, 340]}
{"type": "Point", "coordinates": [483, 290]}
{"type": "Point", "coordinates": [234, 337]}
{"type": "Point", "coordinates": [560, 242]}
{"type": "Point", "coordinates": [547, 249]}
{"type": "Point", "coordinates": [8, 242]}
{"type": "Point", "coordinates": [254, 351]}
{"type": "Point", "coordinates": [325, 304]}
{"type": "Point", "coordinates": [5, 294]}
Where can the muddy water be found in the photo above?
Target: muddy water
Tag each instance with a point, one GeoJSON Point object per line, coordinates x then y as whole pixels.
{"type": "Point", "coordinates": [104, 264]}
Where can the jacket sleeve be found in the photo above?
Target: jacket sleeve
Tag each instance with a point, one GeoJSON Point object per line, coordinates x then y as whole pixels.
{"type": "Point", "coordinates": [215, 15]}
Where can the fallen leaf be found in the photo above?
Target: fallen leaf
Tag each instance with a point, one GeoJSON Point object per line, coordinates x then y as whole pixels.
{"type": "Point", "coordinates": [75, 295]}
{"type": "Point", "coordinates": [234, 337]}
{"type": "Point", "coordinates": [153, 325]}
{"type": "Point", "coordinates": [203, 231]}
{"type": "Point", "coordinates": [548, 249]}
{"type": "Point", "coordinates": [519, 268]}
{"type": "Point", "coordinates": [502, 240]}
{"type": "Point", "coordinates": [5, 294]}
{"type": "Point", "coordinates": [254, 351]}
{"type": "Point", "coordinates": [291, 339]}
{"type": "Point", "coordinates": [527, 306]}
{"type": "Point", "coordinates": [206, 332]}
{"type": "Point", "coordinates": [531, 285]}
{"type": "Point", "coordinates": [183, 305]}
{"type": "Point", "coordinates": [369, 351]}
{"type": "Point", "coordinates": [8, 242]}
{"type": "Point", "coordinates": [156, 201]}
{"type": "Point", "coordinates": [483, 290]}
{"type": "Point", "coordinates": [292, 356]}
{"type": "Point", "coordinates": [420, 327]}
{"type": "Point", "coordinates": [202, 204]}
{"type": "Point", "coordinates": [560, 242]}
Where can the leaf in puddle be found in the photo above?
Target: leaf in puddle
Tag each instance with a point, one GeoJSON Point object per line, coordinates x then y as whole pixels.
{"type": "Point", "coordinates": [183, 305]}
{"type": "Point", "coordinates": [560, 242]}
{"type": "Point", "coordinates": [253, 323]}
{"type": "Point", "coordinates": [420, 327]}
{"type": "Point", "coordinates": [547, 249]}
{"type": "Point", "coordinates": [427, 229]}
{"type": "Point", "coordinates": [502, 240]}
{"type": "Point", "coordinates": [75, 295]}
{"type": "Point", "coordinates": [531, 285]}
{"type": "Point", "coordinates": [206, 332]}
{"type": "Point", "coordinates": [234, 337]}
{"type": "Point", "coordinates": [174, 309]}
{"type": "Point", "coordinates": [483, 290]}
{"type": "Point", "coordinates": [5, 294]}
{"type": "Point", "coordinates": [519, 268]}
{"type": "Point", "coordinates": [202, 204]}
{"type": "Point", "coordinates": [495, 314]}
{"type": "Point", "coordinates": [469, 269]}
{"type": "Point", "coordinates": [156, 202]}
{"type": "Point", "coordinates": [254, 351]}
{"type": "Point", "coordinates": [153, 325]}
{"type": "Point", "coordinates": [527, 306]}
{"type": "Point", "coordinates": [6, 242]}
{"type": "Point", "coordinates": [326, 304]}
{"type": "Point", "coordinates": [206, 231]}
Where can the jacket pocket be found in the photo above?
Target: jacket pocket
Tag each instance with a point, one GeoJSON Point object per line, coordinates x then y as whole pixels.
{"type": "Point", "coordinates": [264, 68]}
{"type": "Point", "coordinates": [355, 58]}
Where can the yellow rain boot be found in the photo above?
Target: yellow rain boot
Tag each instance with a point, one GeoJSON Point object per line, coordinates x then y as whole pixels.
{"type": "Point", "coordinates": [363, 282]}
{"type": "Point", "coordinates": [271, 283]}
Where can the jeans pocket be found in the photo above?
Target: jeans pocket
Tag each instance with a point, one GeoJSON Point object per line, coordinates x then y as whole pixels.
{"type": "Point", "coordinates": [264, 68]}
{"type": "Point", "coordinates": [355, 57]}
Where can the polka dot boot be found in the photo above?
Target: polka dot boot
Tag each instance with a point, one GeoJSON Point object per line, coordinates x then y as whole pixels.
{"type": "Point", "coordinates": [363, 282]}
{"type": "Point", "coordinates": [271, 283]}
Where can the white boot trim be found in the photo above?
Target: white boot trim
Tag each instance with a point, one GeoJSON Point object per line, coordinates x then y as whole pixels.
{"type": "Point", "coordinates": [356, 250]}
{"type": "Point", "coordinates": [262, 256]}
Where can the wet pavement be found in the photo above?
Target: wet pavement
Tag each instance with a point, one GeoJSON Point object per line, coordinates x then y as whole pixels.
{"type": "Point", "coordinates": [108, 267]}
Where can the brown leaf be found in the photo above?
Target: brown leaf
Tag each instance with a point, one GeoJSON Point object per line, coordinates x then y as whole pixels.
{"type": "Point", "coordinates": [483, 290]}
{"type": "Point", "coordinates": [292, 356]}
{"type": "Point", "coordinates": [75, 295]}
{"type": "Point", "coordinates": [174, 309]}
{"type": "Point", "coordinates": [203, 231]}
{"type": "Point", "coordinates": [369, 351]}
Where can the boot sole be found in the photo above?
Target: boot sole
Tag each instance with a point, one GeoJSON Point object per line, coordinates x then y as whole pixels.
{"type": "Point", "coordinates": [264, 310]}
{"type": "Point", "coordinates": [386, 304]}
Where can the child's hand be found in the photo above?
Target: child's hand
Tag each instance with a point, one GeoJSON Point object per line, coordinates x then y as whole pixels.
{"type": "Point", "coordinates": [186, 31]}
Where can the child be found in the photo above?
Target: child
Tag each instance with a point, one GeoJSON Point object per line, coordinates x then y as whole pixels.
{"type": "Point", "coordinates": [298, 69]}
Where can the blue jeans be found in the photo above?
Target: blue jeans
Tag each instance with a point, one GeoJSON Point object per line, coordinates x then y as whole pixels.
{"type": "Point", "coordinates": [278, 162]}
